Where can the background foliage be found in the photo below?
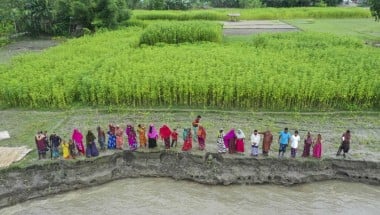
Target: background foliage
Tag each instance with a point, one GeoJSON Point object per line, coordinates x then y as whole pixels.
{"type": "Point", "coordinates": [60, 17]}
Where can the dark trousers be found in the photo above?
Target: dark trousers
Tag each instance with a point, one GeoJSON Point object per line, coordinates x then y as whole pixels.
{"type": "Point", "coordinates": [345, 147]}
{"type": "Point", "coordinates": [293, 152]}
{"type": "Point", "coordinates": [174, 141]}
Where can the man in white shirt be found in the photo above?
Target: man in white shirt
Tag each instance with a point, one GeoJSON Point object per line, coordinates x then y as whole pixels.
{"type": "Point", "coordinates": [295, 139]}
{"type": "Point", "coordinates": [255, 141]}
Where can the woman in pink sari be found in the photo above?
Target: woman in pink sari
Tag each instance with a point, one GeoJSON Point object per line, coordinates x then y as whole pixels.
{"type": "Point", "coordinates": [77, 138]}
{"type": "Point", "coordinates": [132, 141]}
{"type": "Point", "coordinates": [317, 148]}
{"type": "Point", "coordinates": [152, 137]}
{"type": "Point", "coordinates": [201, 133]}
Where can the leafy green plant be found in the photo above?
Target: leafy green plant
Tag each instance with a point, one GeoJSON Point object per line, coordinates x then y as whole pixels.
{"type": "Point", "coordinates": [179, 32]}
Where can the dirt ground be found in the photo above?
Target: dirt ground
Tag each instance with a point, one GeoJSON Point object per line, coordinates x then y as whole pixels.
{"type": "Point", "coordinates": [364, 126]}
{"type": "Point", "coordinates": [24, 46]}
{"type": "Point", "coordinates": [254, 27]}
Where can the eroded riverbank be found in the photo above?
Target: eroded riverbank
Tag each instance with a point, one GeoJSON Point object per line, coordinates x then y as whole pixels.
{"type": "Point", "coordinates": [20, 184]}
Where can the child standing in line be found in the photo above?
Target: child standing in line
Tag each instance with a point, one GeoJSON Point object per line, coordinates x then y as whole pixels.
{"type": "Point", "coordinates": [174, 137]}
{"type": "Point", "coordinates": [295, 139]}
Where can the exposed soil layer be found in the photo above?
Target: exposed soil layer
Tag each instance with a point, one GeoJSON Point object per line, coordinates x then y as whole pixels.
{"type": "Point", "coordinates": [24, 46]}
{"type": "Point", "coordinates": [21, 184]}
{"type": "Point", "coordinates": [255, 27]}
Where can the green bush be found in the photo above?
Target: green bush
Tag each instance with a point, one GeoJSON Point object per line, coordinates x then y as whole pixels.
{"type": "Point", "coordinates": [175, 32]}
{"type": "Point", "coordinates": [4, 41]}
{"type": "Point", "coordinates": [134, 23]}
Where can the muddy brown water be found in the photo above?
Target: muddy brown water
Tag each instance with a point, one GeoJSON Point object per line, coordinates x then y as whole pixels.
{"type": "Point", "coordinates": [166, 196]}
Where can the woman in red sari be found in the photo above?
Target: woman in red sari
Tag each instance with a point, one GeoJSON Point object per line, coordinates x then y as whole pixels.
{"type": "Point", "coordinates": [77, 138]}
{"type": "Point", "coordinates": [317, 148]}
{"type": "Point", "coordinates": [240, 136]}
{"type": "Point", "coordinates": [165, 133]}
{"type": "Point", "coordinates": [201, 137]}
{"type": "Point", "coordinates": [187, 145]}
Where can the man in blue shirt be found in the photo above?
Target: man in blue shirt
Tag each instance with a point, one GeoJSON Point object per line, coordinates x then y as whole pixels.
{"type": "Point", "coordinates": [283, 140]}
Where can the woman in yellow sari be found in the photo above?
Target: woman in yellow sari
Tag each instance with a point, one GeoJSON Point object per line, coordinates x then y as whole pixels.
{"type": "Point", "coordinates": [65, 149]}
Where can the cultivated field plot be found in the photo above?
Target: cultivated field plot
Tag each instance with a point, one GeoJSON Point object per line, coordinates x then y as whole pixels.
{"type": "Point", "coordinates": [254, 27]}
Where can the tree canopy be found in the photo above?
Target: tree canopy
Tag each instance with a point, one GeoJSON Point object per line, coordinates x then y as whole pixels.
{"type": "Point", "coordinates": [60, 17]}
{"type": "Point", "coordinates": [375, 9]}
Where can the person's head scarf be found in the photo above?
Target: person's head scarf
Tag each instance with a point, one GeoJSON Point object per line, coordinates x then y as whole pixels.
{"type": "Point", "coordinates": [240, 134]}
{"type": "Point", "coordinates": [165, 131]}
{"type": "Point", "coordinates": [230, 135]}
{"type": "Point", "coordinates": [152, 131]}
{"type": "Point", "coordinates": [77, 136]}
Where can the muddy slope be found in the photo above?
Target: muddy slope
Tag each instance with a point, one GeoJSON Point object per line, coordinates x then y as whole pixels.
{"type": "Point", "coordinates": [21, 184]}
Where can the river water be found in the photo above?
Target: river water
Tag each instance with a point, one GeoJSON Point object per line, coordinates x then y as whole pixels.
{"type": "Point", "coordinates": [167, 196]}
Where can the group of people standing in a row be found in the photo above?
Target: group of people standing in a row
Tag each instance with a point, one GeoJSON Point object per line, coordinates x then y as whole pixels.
{"type": "Point", "coordinates": [231, 142]}
{"type": "Point", "coordinates": [234, 142]}
{"type": "Point", "coordinates": [70, 149]}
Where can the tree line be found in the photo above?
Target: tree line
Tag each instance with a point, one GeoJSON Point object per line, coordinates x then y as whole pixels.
{"type": "Point", "coordinates": [60, 17]}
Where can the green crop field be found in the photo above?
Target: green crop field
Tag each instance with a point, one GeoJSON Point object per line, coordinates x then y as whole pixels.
{"type": "Point", "coordinates": [289, 71]}
{"type": "Point", "coordinates": [255, 13]}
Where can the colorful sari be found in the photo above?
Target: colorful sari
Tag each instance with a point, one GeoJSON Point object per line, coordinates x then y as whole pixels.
{"type": "Point", "coordinates": [187, 145]}
{"type": "Point", "coordinates": [77, 138]}
{"type": "Point", "coordinates": [240, 136]}
{"type": "Point", "coordinates": [152, 136]}
{"type": "Point", "coordinates": [230, 141]}
{"type": "Point", "coordinates": [317, 149]}
{"type": "Point", "coordinates": [65, 150]}
{"type": "Point", "coordinates": [130, 131]}
{"type": "Point", "coordinates": [201, 137]}
{"type": "Point", "coordinates": [111, 137]}
{"type": "Point", "coordinates": [165, 133]}
{"type": "Point", "coordinates": [142, 136]}
{"type": "Point", "coordinates": [119, 137]}
{"type": "Point", "coordinates": [307, 145]}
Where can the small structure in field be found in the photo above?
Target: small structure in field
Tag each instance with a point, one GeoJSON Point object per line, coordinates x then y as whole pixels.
{"type": "Point", "coordinates": [234, 17]}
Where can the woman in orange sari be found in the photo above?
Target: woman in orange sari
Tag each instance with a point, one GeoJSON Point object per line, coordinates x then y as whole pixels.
{"type": "Point", "coordinates": [119, 137]}
{"type": "Point", "coordinates": [142, 136]}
